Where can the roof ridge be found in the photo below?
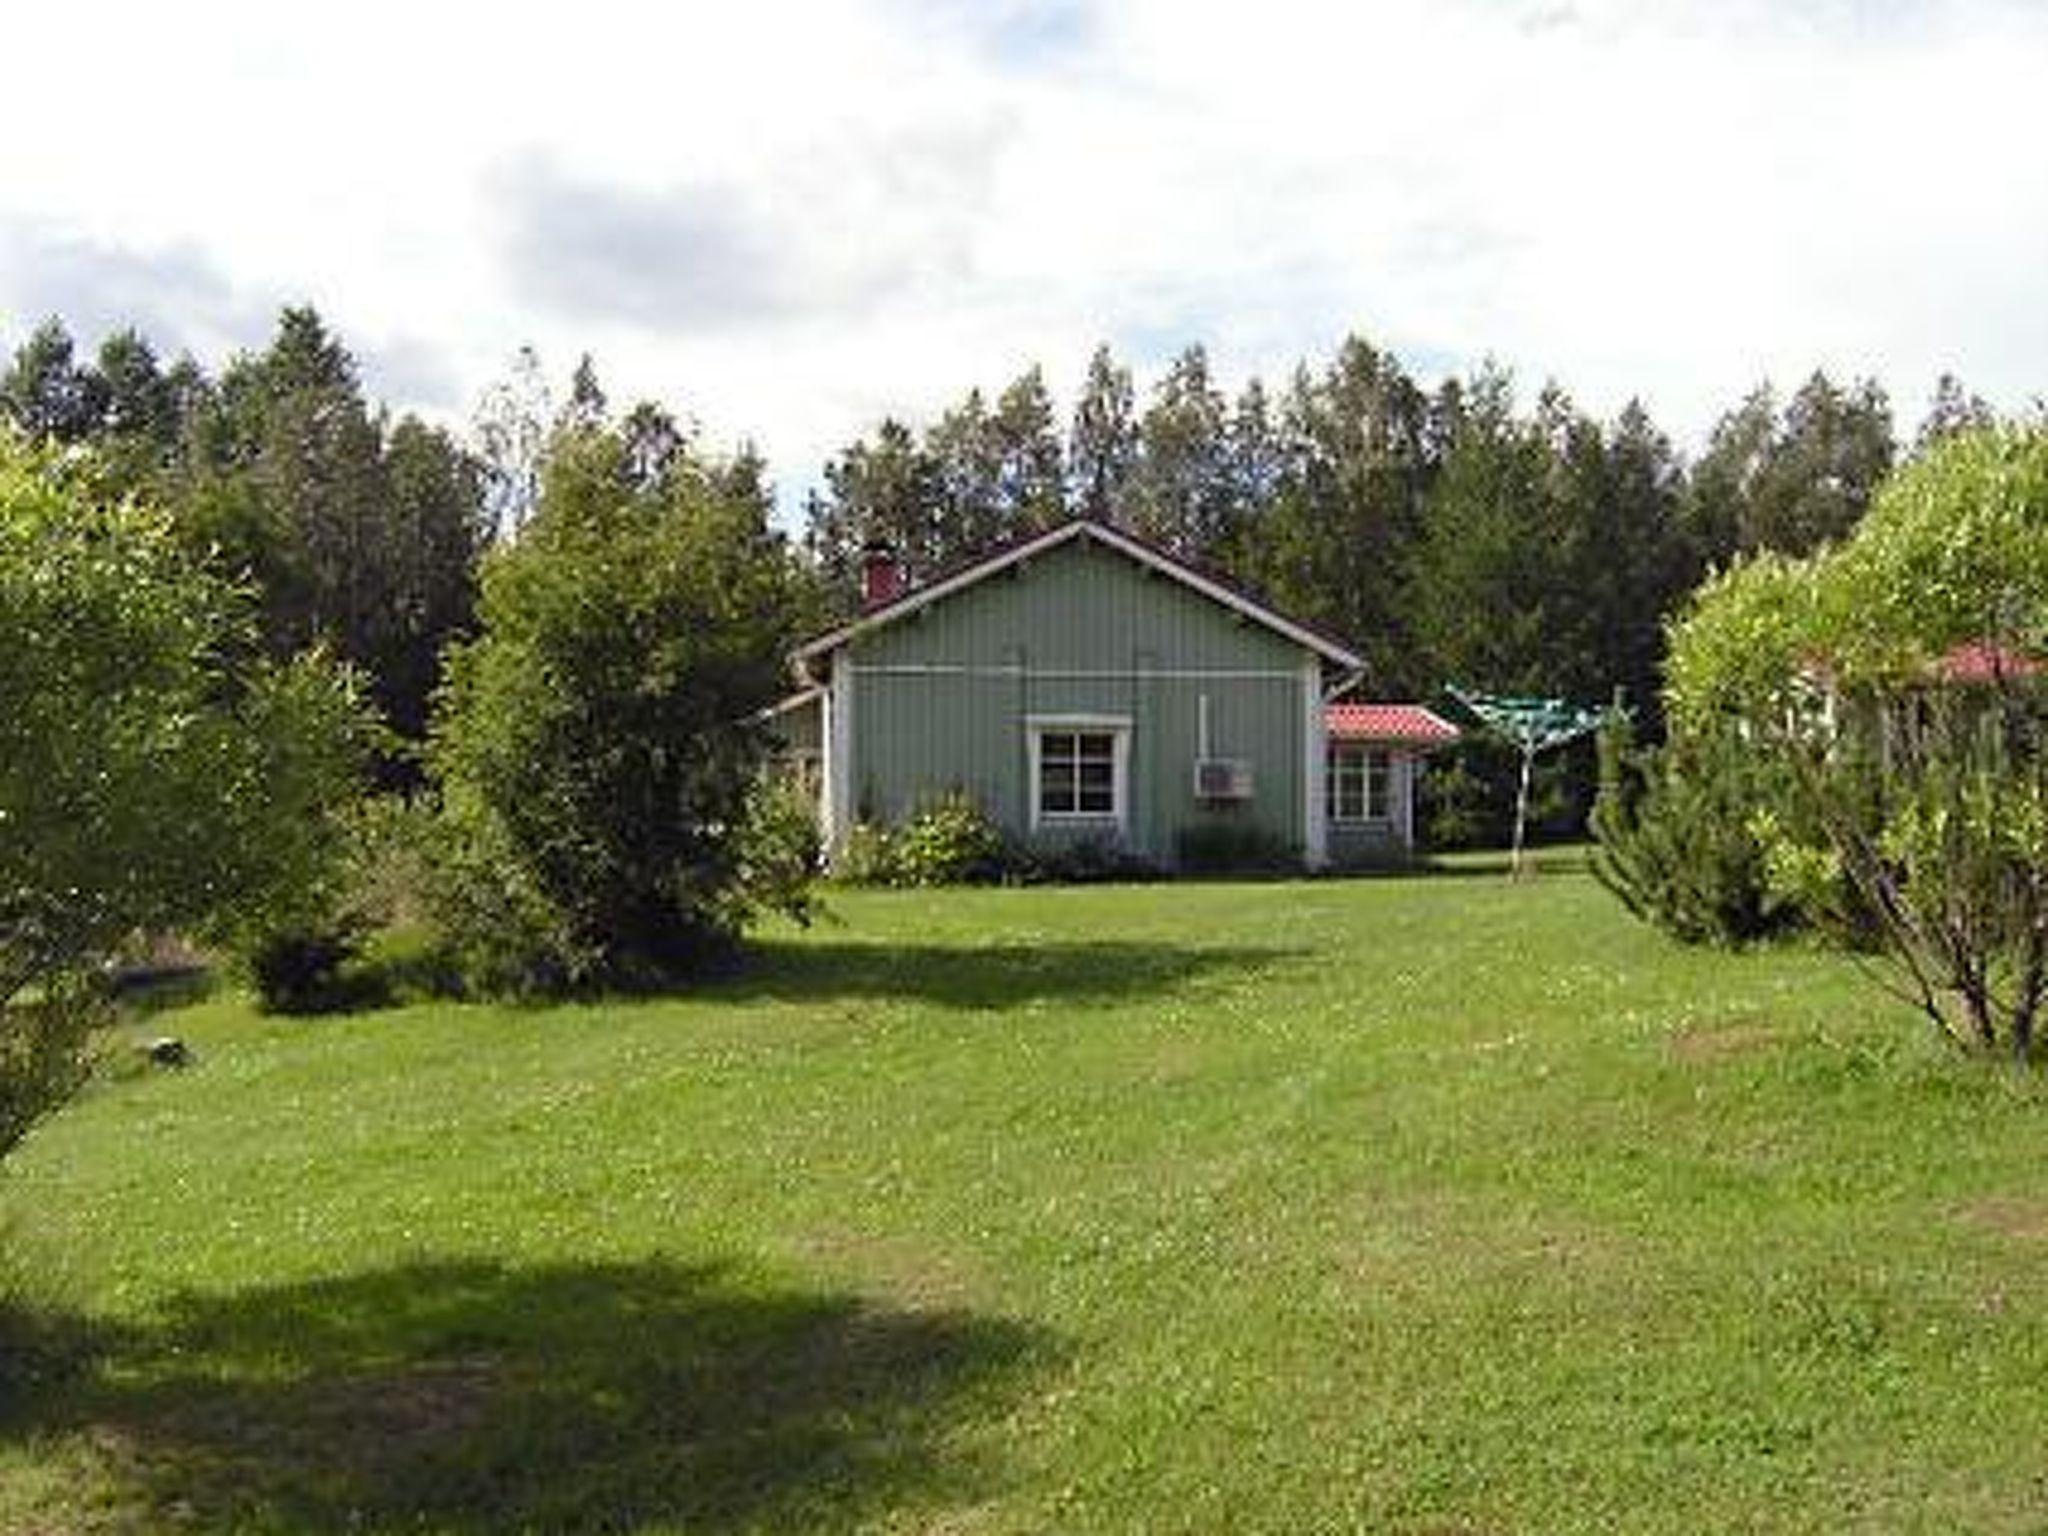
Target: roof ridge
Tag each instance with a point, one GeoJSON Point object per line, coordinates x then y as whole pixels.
{"type": "Point", "coordinates": [1216, 587]}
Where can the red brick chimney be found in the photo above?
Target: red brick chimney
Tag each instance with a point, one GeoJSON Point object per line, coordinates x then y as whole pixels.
{"type": "Point", "coordinates": [882, 577]}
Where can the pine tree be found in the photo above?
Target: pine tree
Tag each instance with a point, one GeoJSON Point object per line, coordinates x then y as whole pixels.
{"type": "Point", "coordinates": [1102, 445]}
{"type": "Point", "coordinates": [46, 394]}
{"type": "Point", "coordinates": [1181, 498]}
{"type": "Point", "coordinates": [1031, 477]}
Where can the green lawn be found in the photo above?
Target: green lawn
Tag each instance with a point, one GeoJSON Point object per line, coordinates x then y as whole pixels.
{"type": "Point", "coordinates": [1438, 1204]}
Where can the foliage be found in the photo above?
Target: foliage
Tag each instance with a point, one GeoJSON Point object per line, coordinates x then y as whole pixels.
{"type": "Point", "coordinates": [595, 748]}
{"type": "Point", "coordinates": [1924, 794]}
{"type": "Point", "coordinates": [357, 533]}
{"type": "Point", "coordinates": [1093, 860]}
{"type": "Point", "coordinates": [1102, 443]}
{"type": "Point", "coordinates": [782, 848]}
{"type": "Point", "coordinates": [1791, 480]}
{"type": "Point", "coordinates": [951, 841]}
{"type": "Point", "coordinates": [1181, 493]}
{"type": "Point", "coordinates": [499, 930]}
{"type": "Point", "coordinates": [954, 842]}
{"type": "Point", "coordinates": [1676, 841]}
{"type": "Point", "coordinates": [43, 1056]}
{"type": "Point", "coordinates": [311, 740]}
{"type": "Point", "coordinates": [1332, 534]}
{"type": "Point", "coordinates": [1220, 847]}
{"type": "Point", "coordinates": [867, 855]}
{"type": "Point", "coordinates": [1465, 797]}
{"type": "Point", "coordinates": [1457, 807]}
{"type": "Point", "coordinates": [153, 774]}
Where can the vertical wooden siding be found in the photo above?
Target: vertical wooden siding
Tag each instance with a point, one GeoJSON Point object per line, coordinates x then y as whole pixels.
{"type": "Point", "coordinates": [1078, 609]}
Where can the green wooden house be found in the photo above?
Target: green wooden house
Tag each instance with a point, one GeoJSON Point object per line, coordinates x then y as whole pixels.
{"type": "Point", "coordinates": [1082, 684]}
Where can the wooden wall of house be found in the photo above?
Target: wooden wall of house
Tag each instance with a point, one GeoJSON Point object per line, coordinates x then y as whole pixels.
{"type": "Point", "coordinates": [942, 699]}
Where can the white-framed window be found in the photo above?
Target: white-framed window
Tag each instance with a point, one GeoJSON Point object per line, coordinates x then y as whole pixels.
{"type": "Point", "coordinates": [1080, 768]}
{"type": "Point", "coordinates": [1359, 782]}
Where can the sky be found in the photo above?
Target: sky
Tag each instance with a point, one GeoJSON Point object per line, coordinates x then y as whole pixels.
{"type": "Point", "coordinates": [788, 220]}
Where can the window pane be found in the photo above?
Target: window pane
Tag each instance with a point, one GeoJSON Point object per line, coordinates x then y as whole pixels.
{"type": "Point", "coordinates": [1077, 773]}
{"type": "Point", "coordinates": [1347, 782]}
{"type": "Point", "coordinates": [1055, 786]}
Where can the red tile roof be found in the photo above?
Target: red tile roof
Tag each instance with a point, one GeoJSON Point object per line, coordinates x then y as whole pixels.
{"type": "Point", "coordinates": [1408, 724]}
{"type": "Point", "coordinates": [1981, 661]}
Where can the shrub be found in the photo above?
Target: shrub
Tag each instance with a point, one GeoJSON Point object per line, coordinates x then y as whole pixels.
{"type": "Point", "coordinates": [1233, 848]}
{"type": "Point", "coordinates": [1676, 842]}
{"type": "Point", "coordinates": [313, 955]}
{"type": "Point", "coordinates": [1088, 861]}
{"type": "Point", "coordinates": [1466, 797]}
{"type": "Point", "coordinates": [867, 856]}
{"type": "Point", "coordinates": [154, 775]}
{"type": "Point", "coordinates": [496, 929]}
{"type": "Point", "coordinates": [596, 745]}
{"type": "Point", "coordinates": [951, 842]}
{"type": "Point", "coordinates": [1921, 794]}
{"type": "Point", "coordinates": [297, 972]}
{"type": "Point", "coordinates": [782, 850]}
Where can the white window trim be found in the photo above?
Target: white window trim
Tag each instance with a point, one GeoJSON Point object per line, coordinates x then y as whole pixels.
{"type": "Point", "coordinates": [1118, 728]}
{"type": "Point", "coordinates": [837, 722]}
{"type": "Point", "coordinates": [1386, 816]}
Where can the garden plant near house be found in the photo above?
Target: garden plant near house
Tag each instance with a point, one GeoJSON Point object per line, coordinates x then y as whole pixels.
{"type": "Point", "coordinates": [1893, 681]}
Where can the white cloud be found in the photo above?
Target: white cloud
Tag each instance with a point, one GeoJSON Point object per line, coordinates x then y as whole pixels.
{"type": "Point", "coordinates": [790, 218]}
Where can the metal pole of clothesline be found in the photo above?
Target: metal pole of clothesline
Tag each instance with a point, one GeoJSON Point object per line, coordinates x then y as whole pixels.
{"type": "Point", "coordinates": [1535, 726]}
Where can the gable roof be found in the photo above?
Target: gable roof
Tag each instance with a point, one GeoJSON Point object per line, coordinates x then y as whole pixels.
{"type": "Point", "coordinates": [1213, 587]}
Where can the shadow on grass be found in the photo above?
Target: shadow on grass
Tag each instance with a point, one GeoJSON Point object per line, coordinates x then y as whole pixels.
{"type": "Point", "coordinates": [992, 976]}
{"type": "Point", "coordinates": [470, 1397]}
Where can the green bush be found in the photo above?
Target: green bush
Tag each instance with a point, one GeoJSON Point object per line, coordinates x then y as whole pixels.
{"type": "Point", "coordinates": [1090, 861]}
{"type": "Point", "coordinates": [298, 972]}
{"type": "Point", "coordinates": [597, 745]}
{"type": "Point", "coordinates": [1675, 837]}
{"type": "Point", "coordinates": [867, 856]}
{"type": "Point", "coordinates": [952, 841]}
{"type": "Point", "coordinates": [1916, 807]}
{"type": "Point", "coordinates": [494, 926]}
{"type": "Point", "coordinates": [1466, 796]}
{"type": "Point", "coordinates": [323, 952]}
{"type": "Point", "coordinates": [1233, 848]}
{"type": "Point", "coordinates": [782, 849]}
{"type": "Point", "coordinates": [155, 775]}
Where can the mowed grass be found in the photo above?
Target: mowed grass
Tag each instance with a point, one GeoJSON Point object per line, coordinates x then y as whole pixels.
{"type": "Point", "coordinates": [1433, 1204]}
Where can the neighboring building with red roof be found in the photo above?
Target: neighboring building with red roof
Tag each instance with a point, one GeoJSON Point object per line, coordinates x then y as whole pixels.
{"type": "Point", "coordinates": [1083, 685]}
{"type": "Point", "coordinates": [1982, 661]}
{"type": "Point", "coordinates": [1398, 725]}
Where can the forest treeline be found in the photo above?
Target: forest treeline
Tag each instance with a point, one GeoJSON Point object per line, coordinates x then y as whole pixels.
{"type": "Point", "coordinates": [1450, 531]}
{"type": "Point", "coordinates": [1443, 528]}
